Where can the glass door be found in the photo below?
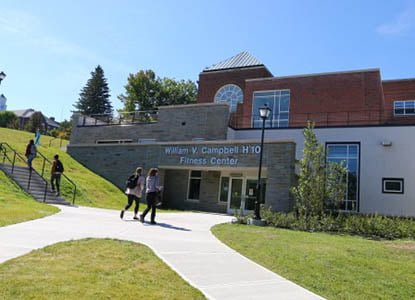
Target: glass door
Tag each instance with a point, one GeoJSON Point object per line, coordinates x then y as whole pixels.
{"type": "Point", "coordinates": [250, 194]}
{"type": "Point", "coordinates": [235, 196]}
{"type": "Point", "coordinates": [240, 193]}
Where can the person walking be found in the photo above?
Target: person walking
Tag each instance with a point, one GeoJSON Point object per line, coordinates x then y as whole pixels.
{"type": "Point", "coordinates": [31, 152]}
{"type": "Point", "coordinates": [152, 190]}
{"type": "Point", "coordinates": [55, 174]}
{"type": "Point", "coordinates": [135, 186]}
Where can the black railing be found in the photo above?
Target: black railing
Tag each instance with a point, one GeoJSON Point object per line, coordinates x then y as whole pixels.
{"type": "Point", "coordinates": [54, 139]}
{"type": "Point", "coordinates": [323, 119]}
{"type": "Point", "coordinates": [123, 118]}
{"type": "Point", "coordinates": [5, 150]}
{"type": "Point", "coordinates": [43, 163]}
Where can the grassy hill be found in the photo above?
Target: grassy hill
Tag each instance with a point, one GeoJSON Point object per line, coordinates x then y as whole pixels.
{"type": "Point", "coordinates": [92, 190]}
{"type": "Point", "coordinates": [17, 206]}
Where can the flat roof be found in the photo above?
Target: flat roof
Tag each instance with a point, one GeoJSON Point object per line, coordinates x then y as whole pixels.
{"type": "Point", "coordinates": [315, 74]}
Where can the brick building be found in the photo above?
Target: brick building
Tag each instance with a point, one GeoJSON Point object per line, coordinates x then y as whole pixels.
{"type": "Point", "coordinates": [364, 121]}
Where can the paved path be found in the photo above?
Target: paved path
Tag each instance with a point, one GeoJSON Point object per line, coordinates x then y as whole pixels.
{"type": "Point", "coordinates": [182, 240]}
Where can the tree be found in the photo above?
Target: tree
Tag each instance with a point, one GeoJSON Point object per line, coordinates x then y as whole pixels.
{"type": "Point", "coordinates": [64, 130]}
{"type": "Point", "coordinates": [36, 121]}
{"type": "Point", "coordinates": [8, 119]}
{"type": "Point", "coordinates": [321, 184]}
{"type": "Point", "coordinates": [94, 97]}
{"type": "Point", "coordinates": [146, 91]}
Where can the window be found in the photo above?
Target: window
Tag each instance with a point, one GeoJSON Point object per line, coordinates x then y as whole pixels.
{"type": "Point", "coordinates": [231, 94]}
{"type": "Point", "coordinates": [404, 108]}
{"type": "Point", "coordinates": [194, 185]}
{"type": "Point", "coordinates": [278, 101]}
{"type": "Point", "coordinates": [224, 189]}
{"type": "Point", "coordinates": [349, 155]}
{"type": "Point", "coordinates": [392, 185]}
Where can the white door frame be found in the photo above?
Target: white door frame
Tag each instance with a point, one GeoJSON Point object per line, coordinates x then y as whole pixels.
{"type": "Point", "coordinates": [243, 194]}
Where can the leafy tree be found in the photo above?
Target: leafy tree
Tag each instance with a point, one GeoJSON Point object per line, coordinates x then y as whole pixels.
{"type": "Point", "coordinates": [177, 92]}
{"type": "Point", "coordinates": [321, 184]}
{"type": "Point", "coordinates": [64, 130]}
{"type": "Point", "coordinates": [94, 97]}
{"type": "Point", "coordinates": [36, 121]}
{"type": "Point", "coordinates": [146, 91]}
{"type": "Point", "coordinates": [8, 119]}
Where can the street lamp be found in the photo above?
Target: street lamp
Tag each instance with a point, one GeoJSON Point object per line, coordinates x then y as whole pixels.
{"type": "Point", "coordinates": [264, 113]}
{"type": "Point", "coordinates": [2, 76]}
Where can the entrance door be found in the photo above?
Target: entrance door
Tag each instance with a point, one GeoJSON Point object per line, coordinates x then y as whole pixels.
{"type": "Point", "coordinates": [242, 194]}
{"type": "Point", "coordinates": [235, 194]}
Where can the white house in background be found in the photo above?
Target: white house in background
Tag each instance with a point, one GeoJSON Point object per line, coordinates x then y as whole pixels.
{"type": "Point", "coordinates": [24, 116]}
{"type": "Point", "coordinates": [3, 101]}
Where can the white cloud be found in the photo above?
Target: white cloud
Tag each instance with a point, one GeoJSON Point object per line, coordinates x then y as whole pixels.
{"type": "Point", "coordinates": [403, 24]}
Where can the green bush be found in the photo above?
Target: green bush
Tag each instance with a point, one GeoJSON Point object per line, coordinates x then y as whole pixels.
{"type": "Point", "coordinates": [375, 226]}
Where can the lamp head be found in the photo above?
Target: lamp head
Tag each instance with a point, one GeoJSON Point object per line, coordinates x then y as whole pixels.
{"type": "Point", "coordinates": [264, 111]}
{"type": "Point", "coordinates": [2, 76]}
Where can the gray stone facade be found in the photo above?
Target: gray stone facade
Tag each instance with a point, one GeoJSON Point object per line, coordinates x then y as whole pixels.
{"type": "Point", "coordinates": [176, 123]}
{"type": "Point", "coordinates": [175, 159]}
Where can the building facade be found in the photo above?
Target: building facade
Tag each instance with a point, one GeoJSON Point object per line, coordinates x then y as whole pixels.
{"type": "Point", "coordinates": [364, 121]}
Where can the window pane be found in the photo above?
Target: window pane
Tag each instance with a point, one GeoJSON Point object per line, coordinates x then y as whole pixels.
{"type": "Point", "coordinates": [399, 111]}
{"type": "Point", "coordinates": [224, 189]}
{"type": "Point", "coordinates": [284, 103]}
{"type": "Point", "coordinates": [194, 189]}
{"type": "Point", "coordinates": [393, 185]}
{"type": "Point", "coordinates": [353, 151]}
{"type": "Point", "coordinates": [337, 151]}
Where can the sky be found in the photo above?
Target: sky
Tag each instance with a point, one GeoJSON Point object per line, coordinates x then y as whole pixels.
{"type": "Point", "coordinates": [49, 48]}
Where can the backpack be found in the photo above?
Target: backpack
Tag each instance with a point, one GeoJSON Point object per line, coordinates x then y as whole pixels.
{"type": "Point", "coordinates": [132, 181]}
{"type": "Point", "coordinates": [59, 167]}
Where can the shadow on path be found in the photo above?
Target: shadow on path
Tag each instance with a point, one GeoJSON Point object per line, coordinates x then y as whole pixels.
{"type": "Point", "coordinates": [168, 226]}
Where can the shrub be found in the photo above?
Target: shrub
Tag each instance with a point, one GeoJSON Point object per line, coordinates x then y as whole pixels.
{"type": "Point", "coordinates": [368, 225]}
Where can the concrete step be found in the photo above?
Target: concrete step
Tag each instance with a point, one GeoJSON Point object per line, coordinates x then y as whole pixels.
{"type": "Point", "coordinates": [37, 184]}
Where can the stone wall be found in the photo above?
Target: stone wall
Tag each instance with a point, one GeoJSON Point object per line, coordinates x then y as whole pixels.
{"type": "Point", "coordinates": [176, 123]}
{"type": "Point", "coordinates": [117, 162]}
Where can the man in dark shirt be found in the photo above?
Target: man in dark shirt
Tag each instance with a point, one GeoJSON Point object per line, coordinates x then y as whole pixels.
{"type": "Point", "coordinates": [55, 174]}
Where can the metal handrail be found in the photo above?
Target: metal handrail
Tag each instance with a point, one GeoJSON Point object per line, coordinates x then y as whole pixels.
{"type": "Point", "coordinates": [51, 140]}
{"type": "Point", "coordinates": [45, 159]}
{"type": "Point", "coordinates": [123, 117]}
{"type": "Point", "coordinates": [13, 162]}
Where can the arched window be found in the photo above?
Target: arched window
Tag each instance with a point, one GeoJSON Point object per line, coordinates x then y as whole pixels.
{"type": "Point", "coordinates": [231, 94]}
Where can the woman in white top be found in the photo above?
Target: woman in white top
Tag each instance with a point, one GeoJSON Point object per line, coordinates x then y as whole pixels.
{"type": "Point", "coordinates": [134, 193]}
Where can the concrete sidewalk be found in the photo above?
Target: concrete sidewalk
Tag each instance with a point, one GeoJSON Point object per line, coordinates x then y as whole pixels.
{"type": "Point", "coordinates": [182, 240]}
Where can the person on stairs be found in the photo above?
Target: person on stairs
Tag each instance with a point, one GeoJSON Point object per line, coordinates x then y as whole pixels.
{"type": "Point", "coordinates": [135, 186]}
{"type": "Point", "coordinates": [30, 153]}
{"type": "Point", "coordinates": [55, 174]}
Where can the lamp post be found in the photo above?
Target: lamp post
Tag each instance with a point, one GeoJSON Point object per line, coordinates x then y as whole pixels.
{"type": "Point", "coordinates": [264, 113]}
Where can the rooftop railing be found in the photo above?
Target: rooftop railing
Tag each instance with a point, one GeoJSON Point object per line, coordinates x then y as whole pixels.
{"type": "Point", "coordinates": [121, 118]}
{"type": "Point", "coordinates": [321, 119]}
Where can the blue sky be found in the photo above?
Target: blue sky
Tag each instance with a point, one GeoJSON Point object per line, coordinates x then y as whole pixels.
{"type": "Point", "coordinates": [49, 48]}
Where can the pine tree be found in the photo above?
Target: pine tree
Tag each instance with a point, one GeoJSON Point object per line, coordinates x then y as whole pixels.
{"type": "Point", "coordinates": [94, 97]}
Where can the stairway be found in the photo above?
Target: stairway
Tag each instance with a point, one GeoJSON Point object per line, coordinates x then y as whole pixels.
{"type": "Point", "coordinates": [37, 184]}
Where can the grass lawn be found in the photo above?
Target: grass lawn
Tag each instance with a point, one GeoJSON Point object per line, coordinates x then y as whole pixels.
{"type": "Point", "coordinates": [113, 270]}
{"type": "Point", "coordinates": [333, 266]}
{"type": "Point", "coordinates": [93, 190]}
{"type": "Point", "coordinates": [16, 206]}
